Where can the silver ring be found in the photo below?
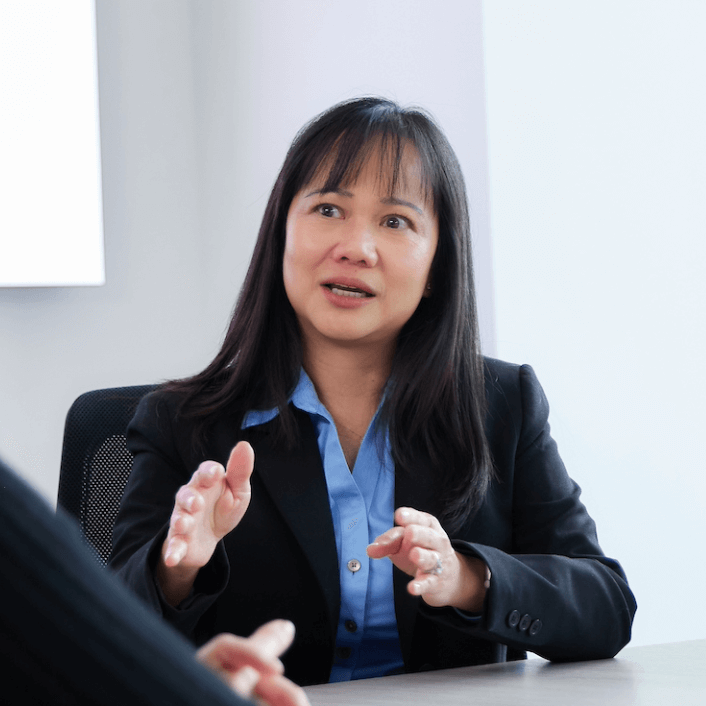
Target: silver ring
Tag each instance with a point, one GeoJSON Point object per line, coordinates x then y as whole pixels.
{"type": "Point", "coordinates": [438, 568]}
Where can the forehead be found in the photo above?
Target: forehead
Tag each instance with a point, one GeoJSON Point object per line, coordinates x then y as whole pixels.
{"type": "Point", "coordinates": [394, 170]}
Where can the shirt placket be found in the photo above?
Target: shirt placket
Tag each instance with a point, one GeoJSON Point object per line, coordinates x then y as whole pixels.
{"type": "Point", "coordinates": [354, 568]}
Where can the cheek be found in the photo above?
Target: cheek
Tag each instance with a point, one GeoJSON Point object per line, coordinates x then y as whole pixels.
{"type": "Point", "coordinates": [298, 265]}
{"type": "Point", "coordinates": [417, 264]}
{"type": "Point", "coordinates": [426, 257]}
{"type": "Point", "coordinates": [290, 274]}
{"type": "Point", "coordinates": [289, 264]}
{"type": "Point", "coordinates": [305, 249]}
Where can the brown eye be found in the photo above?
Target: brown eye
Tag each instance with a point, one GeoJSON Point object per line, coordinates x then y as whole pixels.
{"type": "Point", "coordinates": [329, 211]}
{"type": "Point", "coordinates": [395, 222]}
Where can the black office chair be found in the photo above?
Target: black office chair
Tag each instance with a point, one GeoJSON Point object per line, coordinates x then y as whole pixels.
{"type": "Point", "coordinates": [95, 462]}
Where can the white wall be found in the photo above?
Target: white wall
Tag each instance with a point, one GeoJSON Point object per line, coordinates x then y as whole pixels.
{"type": "Point", "coordinates": [597, 149]}
{"type": "Point", "coordinates": [199, 101]}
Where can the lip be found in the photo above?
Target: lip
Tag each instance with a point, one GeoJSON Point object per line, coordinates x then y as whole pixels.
{"type": "Point", "coordinates": [343, 302]}
{"type": "Point", "coordinates": [348, 282]}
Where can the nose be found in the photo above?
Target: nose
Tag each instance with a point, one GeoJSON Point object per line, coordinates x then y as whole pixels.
{"type": "Point", "coordinates": [356, 245]}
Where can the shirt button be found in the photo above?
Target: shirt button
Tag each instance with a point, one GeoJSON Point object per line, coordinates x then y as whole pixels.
{"type": "Point", "coordinates": [351, 625]}
{"type": "Point", "coordinates": [354, 565]}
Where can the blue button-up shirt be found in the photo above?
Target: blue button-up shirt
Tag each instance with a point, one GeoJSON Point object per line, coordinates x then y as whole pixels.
{"type": "Point", "coordinates": [362, 508]}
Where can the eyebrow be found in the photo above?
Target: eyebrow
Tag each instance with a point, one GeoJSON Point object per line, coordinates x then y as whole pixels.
{"type": "Point", "coordinates": [394, 201]}
{"type": "Point", "coordinates": [340, 192]}
{"type": "Point", "coordinates": [388, 200]}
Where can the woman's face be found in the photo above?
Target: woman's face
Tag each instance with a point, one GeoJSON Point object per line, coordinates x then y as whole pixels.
{"type": "Point", "coordinates": [357, 261]}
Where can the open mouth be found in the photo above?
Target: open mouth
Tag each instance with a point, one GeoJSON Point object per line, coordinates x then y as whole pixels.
{"type": "Point", "coordinates": [345, 291]}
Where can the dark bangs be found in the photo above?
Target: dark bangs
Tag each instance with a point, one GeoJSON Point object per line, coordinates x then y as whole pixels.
{"type": "Point", "coordinates": [337, 145]}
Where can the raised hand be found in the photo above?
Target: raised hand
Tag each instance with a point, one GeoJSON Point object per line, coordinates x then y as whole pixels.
{"type": "Point", "coordinates": [206, 509]}
{"type": "Point", "coordinates": [419, 546]}
{"type": "Point", "coordinates": [251, 666]}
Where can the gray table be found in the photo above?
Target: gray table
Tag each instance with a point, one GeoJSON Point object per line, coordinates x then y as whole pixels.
{"type": "Point", "coordinates": [671, 674]}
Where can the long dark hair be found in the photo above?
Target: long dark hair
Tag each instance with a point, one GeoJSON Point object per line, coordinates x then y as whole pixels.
{"type": "Point", "coordinates": [435, 400]}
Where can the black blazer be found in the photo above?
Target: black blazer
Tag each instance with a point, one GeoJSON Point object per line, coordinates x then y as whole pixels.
{"type": "Point", "coordinates": [552, 591]}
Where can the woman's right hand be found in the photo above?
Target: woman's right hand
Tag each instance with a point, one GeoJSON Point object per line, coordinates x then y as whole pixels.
{"type": "Point", "coordinates": [206, 509]}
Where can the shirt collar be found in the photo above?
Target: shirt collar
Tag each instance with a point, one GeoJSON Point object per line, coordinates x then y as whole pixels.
{"type": "Point", "coordinates": [304, 398]}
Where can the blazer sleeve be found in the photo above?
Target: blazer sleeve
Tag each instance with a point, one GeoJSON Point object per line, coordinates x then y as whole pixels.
{"type": "Point", "coordinates": [553, 591]}
{"type": "Point", "coordinates": [163, 461]}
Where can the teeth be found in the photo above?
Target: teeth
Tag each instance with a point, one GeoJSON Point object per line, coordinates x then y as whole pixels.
{"type": "Point", "coordinates": [347, 293]}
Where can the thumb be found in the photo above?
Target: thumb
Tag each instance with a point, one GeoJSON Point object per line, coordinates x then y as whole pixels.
{"type": "Point", "coordinates": [239, 467]}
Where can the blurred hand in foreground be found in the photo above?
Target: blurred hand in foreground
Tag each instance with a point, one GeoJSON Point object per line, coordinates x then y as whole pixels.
{"type": "Point", "coordinates": [251, 665]}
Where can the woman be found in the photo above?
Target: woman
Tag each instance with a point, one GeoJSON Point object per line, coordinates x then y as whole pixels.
{"type": "Point", "coordinates": [349, 417]}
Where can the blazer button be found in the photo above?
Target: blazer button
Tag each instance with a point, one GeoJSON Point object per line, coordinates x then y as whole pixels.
{"type": "Point", "coordinates": [535, 628]}
{"type": "Point", "coordinates": [524, 622]}
{"type": "Point", "coordinates": [343, 652]}
{"type": "Point", "coordinates": [353, 565]}
{"type": "Point", "coordinates": [513, 618]}
{"type": "Point", "coordinates": [352, 627]}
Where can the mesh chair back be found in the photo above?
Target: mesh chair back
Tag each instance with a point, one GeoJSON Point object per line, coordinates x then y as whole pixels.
{"type": "Point", "coordinates": [95, 462]}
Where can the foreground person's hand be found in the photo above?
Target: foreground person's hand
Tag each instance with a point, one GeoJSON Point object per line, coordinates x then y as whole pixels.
{"type": "Point", "coordinates": [251, 666]}
{"type": "Point", "coordinates": [419, 546]}
{"type": "Point", "coordinates": [206, 509]}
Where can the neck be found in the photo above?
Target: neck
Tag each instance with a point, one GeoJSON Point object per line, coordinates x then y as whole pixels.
{"type": "Point", "coordinates": [351, 373]}
{"type": "Point", "coordinates": [350, 383]}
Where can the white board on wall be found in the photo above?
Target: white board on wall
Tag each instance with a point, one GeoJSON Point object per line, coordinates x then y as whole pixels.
{"type": "Point", "coordinates": [51, 222]}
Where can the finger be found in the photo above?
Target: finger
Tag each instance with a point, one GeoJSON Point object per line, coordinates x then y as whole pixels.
{"type": "Point", "coordinates": [425, 537]}
{"type": "Point", "coordinates": [424, 583]}
{"type": "Point", "coordinates": [425, 559]}
{"type": "Point", "coordinates": [409, 516]}
{"type": "Point", "coordinates": [207, 475]}
{"type": "Point", "coordinates": [181, 523]}
{"type": "Point", "coordinates": [229, 653]}
{"type": "Point", "coordinates": [244, 680]}
{"type": "Point", "coordinates": [273, 638]}
{"type": "Point", "coordinates": [240, 466]}
{"type": "Point", "coordinates": [386, 544]}
{"type": "Point", "coordinates": [278, 691]}
{"type": "Point", "coordinates": [175, 551]}
{"type": "Point", "coordinates": [188, 499]}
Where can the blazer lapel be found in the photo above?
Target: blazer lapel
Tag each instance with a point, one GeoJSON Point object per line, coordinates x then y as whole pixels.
{"type": "Point", "coordinates": [413, 488]}
{"type": "Point", "coordinates": [296, 482]}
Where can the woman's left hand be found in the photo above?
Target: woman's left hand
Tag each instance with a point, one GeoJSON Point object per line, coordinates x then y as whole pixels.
{"type": "Point", "coordinates": [419, 546]}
